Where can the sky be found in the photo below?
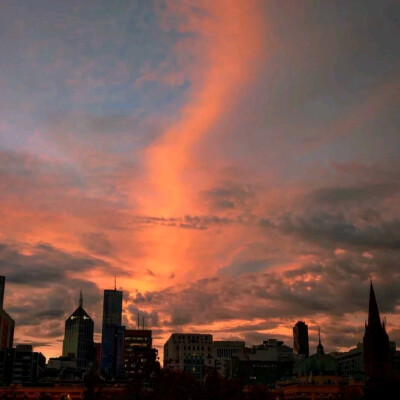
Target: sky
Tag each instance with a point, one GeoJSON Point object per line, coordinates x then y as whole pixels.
{"type": "Point", "coordinates": [234, 163]}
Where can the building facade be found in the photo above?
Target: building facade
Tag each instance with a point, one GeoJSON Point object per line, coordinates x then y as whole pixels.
{"type": "Point", "coordinates": [300, 339]}
{"type": "Point", "coordinates": [139, 357]}
{"type": "Point", "coordinates": [189, 352]}
{"type": "Point", "coordinates": [112, 334]}
{"type": "Point", "coordinates": [223, 351]}
{"type": "Point", "coordinates": [21, 365]}
{"type": "Point", "coordinates": [350, 363]}
{"type": "Point", "coordinates": [78, 337]}
{"type": "Point", "coordinates": [264, 364]}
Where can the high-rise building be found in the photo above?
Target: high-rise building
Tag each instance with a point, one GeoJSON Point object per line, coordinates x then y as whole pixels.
{"type": "Point", "coordinates": [377, 353]}
{"type": "Point", "coordinates": [189, 352]}
{"type": "Point", "coordinates": [300, 339]}
{"type": "Point", "coordinates": [7, 324]}
{"type": "Point", "coordinates": [2, 289]}
{"type": "Point", "coordinates": [112, 334]}
{"type": "Point", "coordinates": [78, 339]}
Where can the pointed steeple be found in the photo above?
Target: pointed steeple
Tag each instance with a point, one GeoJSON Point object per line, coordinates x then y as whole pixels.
{"type": "Point", "coordinates": [80, 299]}
{"type": "Point", "coordinates": [374, 319]}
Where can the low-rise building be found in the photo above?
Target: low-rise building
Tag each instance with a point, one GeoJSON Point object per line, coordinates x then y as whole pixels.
{"type": "Point", "coordinates": [138, 355]}
{"type": "Point", "coordinates": [189, 352]}
{"type": "Point", "coordinates": [223, 351]}
{"type": "Point", "coordinates": [264, 364]}
{"type": "Point", "coordinates": [21, 365]}
{"type": "Point", "coordinates": [350, 363]}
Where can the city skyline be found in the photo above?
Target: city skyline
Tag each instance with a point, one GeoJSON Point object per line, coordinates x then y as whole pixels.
{"type": "Point", "coordinates": [111, 356]}
{"type": "Point", "coordinates": [234, 164]}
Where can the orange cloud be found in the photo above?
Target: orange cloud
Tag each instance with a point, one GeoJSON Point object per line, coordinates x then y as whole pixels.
{"type": "Point", "coordinates": [222, 39]}
{"type": "Point", "coordinates": [229, 44]}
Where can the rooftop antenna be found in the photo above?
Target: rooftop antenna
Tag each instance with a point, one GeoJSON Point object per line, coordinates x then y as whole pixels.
{"type": "Point", "coordinates": [115, 282]}
{"type": "Point", "coordinates": [80, 299]}
{"type": "Point", "coordinates": [319, 335]}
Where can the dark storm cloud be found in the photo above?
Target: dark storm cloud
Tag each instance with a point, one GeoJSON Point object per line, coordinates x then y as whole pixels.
{"type": "Point", "coordinates": [228, 195]}
{"type": "Point", "coordinates": [239, 267]}
{"type": "Point", "coordinates": [356, 194]}
{"type": "Point", "coordinates": [329, 229]}
{"type": "Point", "coordinates": [335, 287]}
{"type": "Point", "coordinates": [43, 265]}
{"type": "Point", "coordinates": [151, 319]}
{"type": "Point", "coordinates": [195, 222]}
{"type": "Point", "coordinates": [52, 276]}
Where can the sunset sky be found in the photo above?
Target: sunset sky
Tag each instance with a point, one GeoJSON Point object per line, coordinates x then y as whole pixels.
{"type": "Point", "coordinates": [236, 164]}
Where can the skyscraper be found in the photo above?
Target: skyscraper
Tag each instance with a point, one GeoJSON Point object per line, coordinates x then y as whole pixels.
{"type": "Point", "coordinates": [300, 339]}
{"type": "Point", "coordinates": [78, 339]}
{"type": "Point", "coordinates": [2, 287]}
{"type": "Point", "coordinates": [112, 333]}
{"type": "Point", "coordinates": [7, 324]}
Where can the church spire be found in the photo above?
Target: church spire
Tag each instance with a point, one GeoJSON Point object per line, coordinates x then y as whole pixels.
{"type": "Point", "coordinates": [80, 299]}
{"type": "Point", "coordinates": [374, 319]}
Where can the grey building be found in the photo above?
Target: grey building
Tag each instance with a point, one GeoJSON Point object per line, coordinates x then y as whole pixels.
{"type": "Point", "coordinates": [223, 351]}
{"type": "Point", "coordinates": [350, 363]}
{"type": "Point", "coordinates": [189, 352]}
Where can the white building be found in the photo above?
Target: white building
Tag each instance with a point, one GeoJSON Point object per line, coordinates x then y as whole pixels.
{"type": "Point", "coordinates": [189, 352]}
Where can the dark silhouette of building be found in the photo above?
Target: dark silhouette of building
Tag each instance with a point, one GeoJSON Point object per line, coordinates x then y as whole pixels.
{"type": "Point", "coordinates": [7, 324]}
{"type": "Point", "coordinates": [97, 355]}
{"type": "Point", "coordinates": [2, 289]}
{"type": "Point", "coordinates": [112, 334]}
{"type": "Point", "coordinates": [263, 364]}
{"type": "Point", "coordinates": [21, 365]}
{"type": "Point", "coordinates": [139, 357]}
{"type": "Point", "coordinates": [319, 365]}
{"type": "Point", "coordinates": [300, 339]}
{"type": "Point", "coordinates": [377, 354]}
{"type": "Point", "coordinates": [381, 381]}
{"type": "Point", "coordinates": [78, 339]}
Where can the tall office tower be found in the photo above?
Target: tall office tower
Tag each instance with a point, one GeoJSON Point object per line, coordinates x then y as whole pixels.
{"type": "Point", "coordinates": [7, 324]}
{"type": "Point", "coordinates": [78, 339]}
{"type": "Point", "coordinates": [300, 339]}
{"type": "Point", "coordinates": [112, 334]}
{"type": "Point", "coordinates": [2, 287]}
